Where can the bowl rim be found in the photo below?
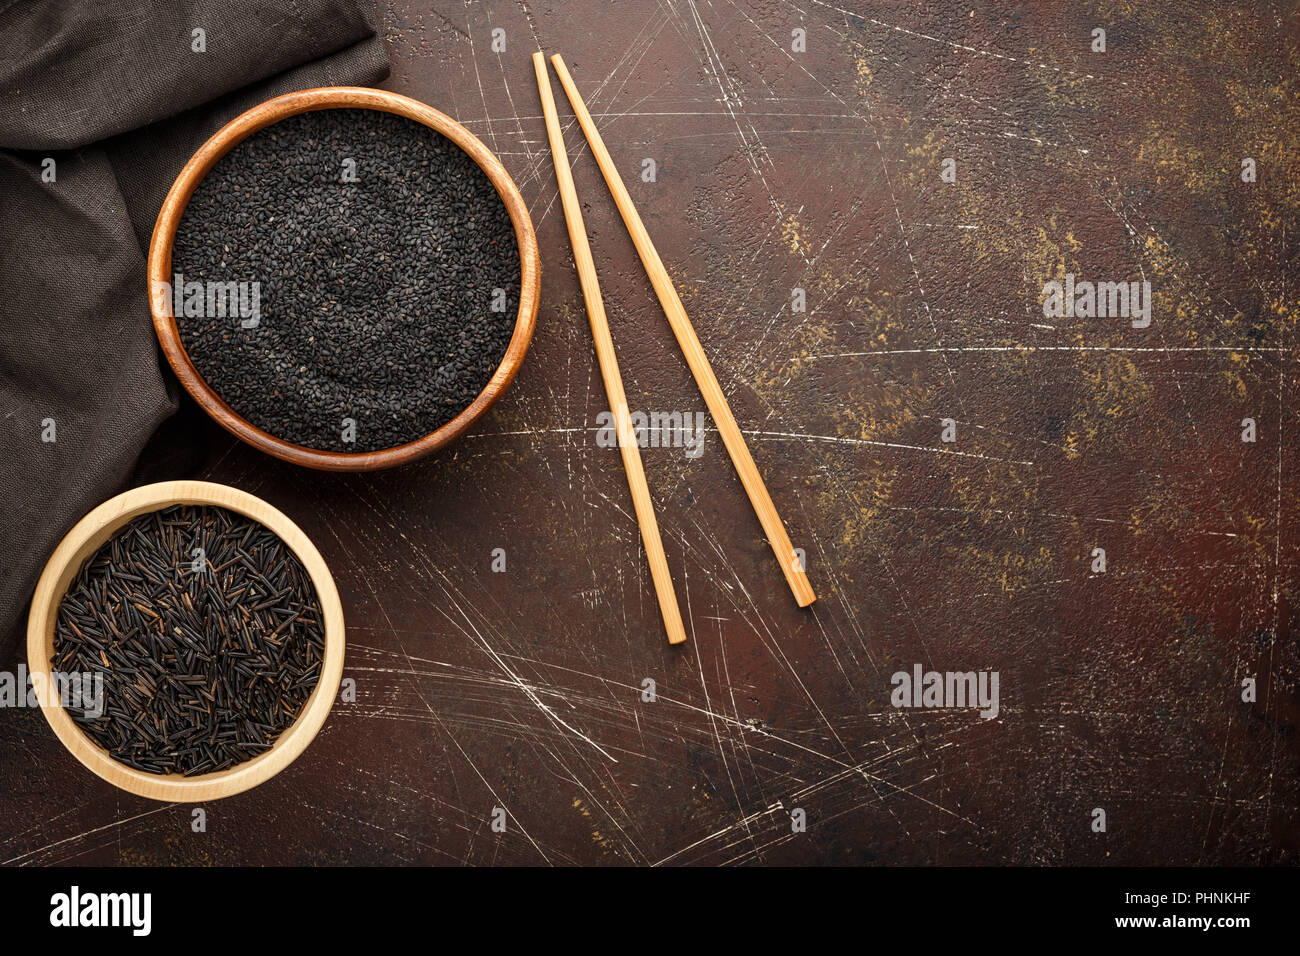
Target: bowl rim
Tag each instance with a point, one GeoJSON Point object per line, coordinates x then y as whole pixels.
{"type": "Point", "coordinates": [227, 138]}
{"type": "Point", "coordinates": [82, 541]}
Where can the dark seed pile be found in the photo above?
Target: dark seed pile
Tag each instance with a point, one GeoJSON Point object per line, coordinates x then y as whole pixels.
{"type": "Point", "coordinates": [376, 295]}
{"type": "Point", "coordinates": [204, 665]}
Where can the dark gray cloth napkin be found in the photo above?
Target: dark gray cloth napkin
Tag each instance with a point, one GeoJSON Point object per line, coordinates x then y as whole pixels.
{"type": "Point", "coordinates": [117, 96]}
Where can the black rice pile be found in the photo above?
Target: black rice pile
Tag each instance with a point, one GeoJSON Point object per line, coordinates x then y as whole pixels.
{"type": "Point", "coordinates": [207, 658]}
{"type": "Point", "coordinates": [376, 296]}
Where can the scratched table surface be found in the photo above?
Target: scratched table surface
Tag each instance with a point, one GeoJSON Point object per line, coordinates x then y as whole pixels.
{"type": "Point", "coordinates": [821, 169]}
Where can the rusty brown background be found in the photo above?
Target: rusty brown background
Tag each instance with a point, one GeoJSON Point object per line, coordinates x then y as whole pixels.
{"type": "Point", "coordinates": [821, 170]}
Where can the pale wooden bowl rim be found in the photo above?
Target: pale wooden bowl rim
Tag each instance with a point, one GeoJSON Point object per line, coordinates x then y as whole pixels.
{"type": "Point", "coordinates": [83, 540]}
{"type": "Point", "coordinates": [272, 111]}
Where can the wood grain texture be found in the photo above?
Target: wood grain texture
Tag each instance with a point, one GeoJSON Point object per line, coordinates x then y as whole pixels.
{"type": "Point", "coordinates": [790, 562]}
{"type": "Point", "coordinates": [82, 542]}
{"type": "Point", "coordinates": [627, 440]}
{"type": "Point", "coordinates": [235, 132]}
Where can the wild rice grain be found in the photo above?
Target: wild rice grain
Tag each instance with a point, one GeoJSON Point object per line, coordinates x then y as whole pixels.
{"type": "Point", "coordinates": [205, 664]}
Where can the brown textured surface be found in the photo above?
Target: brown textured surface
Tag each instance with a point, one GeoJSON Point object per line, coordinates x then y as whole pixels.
{"type": "Point", "coordinates": [821, 170]}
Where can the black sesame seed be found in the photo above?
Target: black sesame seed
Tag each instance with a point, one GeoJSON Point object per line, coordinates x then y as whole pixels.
{"type": "Point", "coordinates": [376, 296]}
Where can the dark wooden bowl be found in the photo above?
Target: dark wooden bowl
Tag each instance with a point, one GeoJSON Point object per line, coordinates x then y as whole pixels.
{"type": "Point", "coordinates": [259, 117]}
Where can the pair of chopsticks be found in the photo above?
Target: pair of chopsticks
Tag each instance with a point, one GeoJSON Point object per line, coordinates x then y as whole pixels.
{"type": "Point", "coordinates": [790, 561]}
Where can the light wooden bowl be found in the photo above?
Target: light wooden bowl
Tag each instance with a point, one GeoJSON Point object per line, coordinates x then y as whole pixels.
{"type": "Point", "coordinates": [84, 540]}
{"type": "Point", "coordinates": [261, 116]}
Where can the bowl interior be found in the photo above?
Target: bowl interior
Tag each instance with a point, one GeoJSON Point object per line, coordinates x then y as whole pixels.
{"type": "Point", "coordinates": [83, 541]}
{"type": "Point", "coordinates": [258, 118]}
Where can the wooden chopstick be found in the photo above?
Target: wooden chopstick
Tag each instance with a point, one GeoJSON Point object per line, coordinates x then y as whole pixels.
{"type": "Point", "coordinates": [791, 564]}
{"type": "Point", "coordinates": [627, 439]}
